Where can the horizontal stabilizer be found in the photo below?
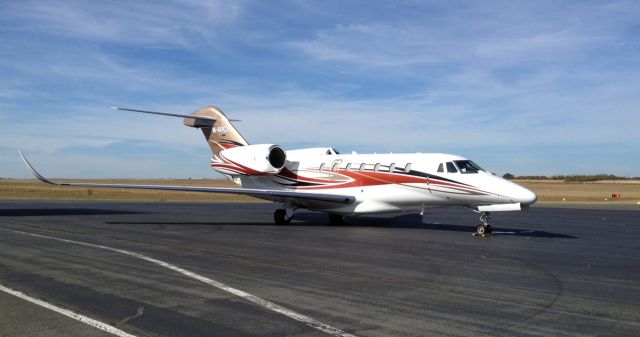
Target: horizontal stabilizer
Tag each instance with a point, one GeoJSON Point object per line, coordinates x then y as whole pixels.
{"type": "Point", "coordinates": [194, 121]}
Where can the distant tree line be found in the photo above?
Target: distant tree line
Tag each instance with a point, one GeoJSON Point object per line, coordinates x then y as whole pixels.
{"type": "Point", "coordinates": [572, 177]}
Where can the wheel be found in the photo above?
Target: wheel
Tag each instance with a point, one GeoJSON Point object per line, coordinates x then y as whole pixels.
{"type": "Point", "coordinates": [336, 219]}
{"type": "Point", "coordinates": [481, 230]}
{"type": "Point", "coordinates": [280, 217]}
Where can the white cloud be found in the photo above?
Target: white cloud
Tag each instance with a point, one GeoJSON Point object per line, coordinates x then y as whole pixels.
{"type": "Point", "coordinates": [372, 45]}
{"type": "Point", "coordinates": [485, 34]}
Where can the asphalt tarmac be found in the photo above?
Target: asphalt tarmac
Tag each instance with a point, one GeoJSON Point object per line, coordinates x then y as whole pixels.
{"type": "Point", "coordinates": [545, 272]}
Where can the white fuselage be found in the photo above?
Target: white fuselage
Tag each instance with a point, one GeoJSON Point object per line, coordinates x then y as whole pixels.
{"type": "Point", "coordinates": [391, 182]}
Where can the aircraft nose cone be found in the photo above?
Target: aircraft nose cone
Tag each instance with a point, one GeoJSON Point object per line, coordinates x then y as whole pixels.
{"type": "Point", "coordinates": [526, 197]}
{"type": "Point", "coordinates": [517, 193]}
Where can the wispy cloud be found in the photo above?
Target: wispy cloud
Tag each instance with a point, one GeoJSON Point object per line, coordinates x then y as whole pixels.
{"type": "Point", "coordinates": [156, 24]}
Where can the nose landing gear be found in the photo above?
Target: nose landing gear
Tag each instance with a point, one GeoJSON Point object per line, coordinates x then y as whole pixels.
{"type": "Point", "coordinates": [483, 229]}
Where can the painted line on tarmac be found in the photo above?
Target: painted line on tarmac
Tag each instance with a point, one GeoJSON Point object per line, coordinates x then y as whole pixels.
{"type": "Point", "coordinates": [84, 319]}
{"type": "Point", "coordinates": [326, 328]}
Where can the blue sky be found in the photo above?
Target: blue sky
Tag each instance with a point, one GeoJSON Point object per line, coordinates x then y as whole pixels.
{"type": "Point", "coordinates": [531, 87]}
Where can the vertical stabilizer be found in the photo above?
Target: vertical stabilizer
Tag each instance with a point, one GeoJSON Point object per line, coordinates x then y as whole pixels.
{"type": "Point", "coordinates": [221, 135]}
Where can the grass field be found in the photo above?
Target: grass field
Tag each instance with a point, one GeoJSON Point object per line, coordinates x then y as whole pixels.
{"type": "Point", "coordinates": [550, 192]}
{"type": "Point", "coordinates": [11, 189]}
{"type": "Point", "coordinates": [558, 192]}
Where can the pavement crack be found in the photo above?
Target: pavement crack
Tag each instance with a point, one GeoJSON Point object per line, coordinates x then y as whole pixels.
{"type": "Point", "coordinates": [139, 313]}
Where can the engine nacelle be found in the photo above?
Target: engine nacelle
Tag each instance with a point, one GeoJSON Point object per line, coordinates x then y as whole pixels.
{"type": "Point", "coordinates": [255, 159]}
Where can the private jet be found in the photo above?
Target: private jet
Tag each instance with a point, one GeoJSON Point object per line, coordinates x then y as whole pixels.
{"type": "Point", "coordinates": [322, 179]}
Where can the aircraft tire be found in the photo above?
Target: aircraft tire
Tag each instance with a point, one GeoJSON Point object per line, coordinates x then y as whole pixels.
{"type": "Point", "coordinates": [336, 219]}
{"type": "Point", "coordinates": [280, 217]}
{"type": "Point", "coordinates": [482, 230]}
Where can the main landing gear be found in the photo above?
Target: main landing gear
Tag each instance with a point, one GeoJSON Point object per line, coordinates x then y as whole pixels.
{"type": "Point", "coordinates": [281, 217]}
{"type": "Point", "coordinates": [284, 215]}
{"type": "Point", "coordinates": [336, 219]}
{"type": "Point", "coordinates": [483, 229]}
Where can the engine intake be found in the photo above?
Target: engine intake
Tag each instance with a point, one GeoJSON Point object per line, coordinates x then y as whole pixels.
{"type": "Point", "coordinates": [277, 157]}
{"type": "Point", "coordinates": [254, 159]}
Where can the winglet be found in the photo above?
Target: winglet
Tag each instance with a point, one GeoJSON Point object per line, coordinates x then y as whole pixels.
{"type": "Point", "coordinates": [34, 172]}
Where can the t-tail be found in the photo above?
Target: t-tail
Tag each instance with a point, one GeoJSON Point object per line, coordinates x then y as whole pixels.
{"type": "Point", "coordinates": [220, 134]}
{"type": "Point", "coordinates": [216, 127]}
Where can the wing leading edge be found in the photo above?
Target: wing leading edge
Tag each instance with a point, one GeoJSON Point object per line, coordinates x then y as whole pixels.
{"type": "Point", "coordinates": [275, 195]}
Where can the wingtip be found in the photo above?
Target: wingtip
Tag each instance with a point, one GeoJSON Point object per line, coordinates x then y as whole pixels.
{"type": "Point", "coordinates": [23, 157]}
{"type": "Point", "coordinates": [33, 170]}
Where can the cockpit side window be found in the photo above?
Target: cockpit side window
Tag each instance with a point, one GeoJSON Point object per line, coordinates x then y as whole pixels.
{"type": "Point", "coordinates": [451, 168]}
{"type": "Point", "coordinates": [440, 168]}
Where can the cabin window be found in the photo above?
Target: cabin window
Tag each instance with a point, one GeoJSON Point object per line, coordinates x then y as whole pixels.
{"type": "Point", "coordinates": [440, 168]}
{"type": "Point", "coordinates": [376, 168]}
{"type": "Point", "coordinates": [392, 167]}
{"type": "Point", "coordinates": [321, 166]}
{"type": "Point", "coordinates": [407, 168]}
{"type": "Point", "coordinates": [451, 168]}
{"type": "Point", "coordinates": [361, 168]}
{"type": "Point", "coordinates": [335, 166]}
{"type": "Point", "coordinates": [348, 167]}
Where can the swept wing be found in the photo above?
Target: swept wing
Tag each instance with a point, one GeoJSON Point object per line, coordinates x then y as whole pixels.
{"type": "Point", "coordinates": [273, 195]}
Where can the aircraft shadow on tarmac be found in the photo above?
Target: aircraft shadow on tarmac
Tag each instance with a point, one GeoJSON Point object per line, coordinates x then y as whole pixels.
{"type": "Point", "coordinates": [409, 221]}
{"type": "Point", "coordinates": [414, 221]}
{"type": "Point", "coordinates": [61, 212]}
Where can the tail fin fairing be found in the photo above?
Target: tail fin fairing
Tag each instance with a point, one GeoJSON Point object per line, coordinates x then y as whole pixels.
{"type": "Point", "coordinates": [221, 135]}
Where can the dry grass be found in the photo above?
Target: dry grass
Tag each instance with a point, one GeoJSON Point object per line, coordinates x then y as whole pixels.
{"type": "Point", "coordinates": [548, 191]}
{"type": "Point", "coordinates": [555, 192]}
{"type": "Point", "coordinates": [11, 189]}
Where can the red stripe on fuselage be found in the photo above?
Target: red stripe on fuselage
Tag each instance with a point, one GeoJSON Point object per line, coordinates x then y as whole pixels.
{"type": "Point", "coordinates": [286, 173]}
{"type": "Point", "coordinates": [370, 178]}
{"type": "Point", "coordinates": [363, 178]}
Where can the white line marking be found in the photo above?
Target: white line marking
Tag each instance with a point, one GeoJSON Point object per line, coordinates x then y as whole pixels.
{"type": "Point", "coordinates": [242, 294]}
{"type": "Point", "coordinates": [84, 319]}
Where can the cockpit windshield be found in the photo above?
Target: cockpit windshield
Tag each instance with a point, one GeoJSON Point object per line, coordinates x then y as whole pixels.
{"type": "Point", "coordinates": [332, 151]}
{"type": "Point", "coordinates": [467, 166]}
